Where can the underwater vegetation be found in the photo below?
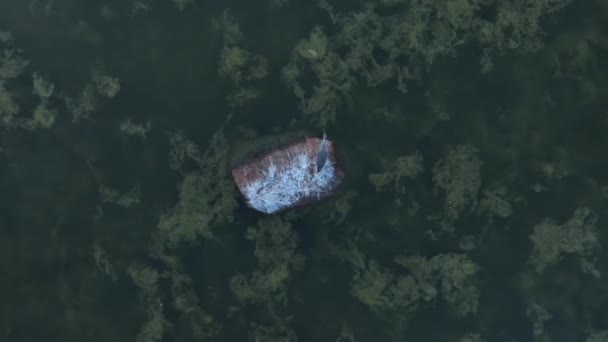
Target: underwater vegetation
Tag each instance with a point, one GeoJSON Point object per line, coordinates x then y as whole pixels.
{"type": "Point", "coordinates": [473, 137]}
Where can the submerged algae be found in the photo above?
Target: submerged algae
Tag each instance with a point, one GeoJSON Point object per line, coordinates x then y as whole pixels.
{"type": "Point", "coordinates": [577, 237]}
{"type": "Point", "coordinates": [203, 205]}
{"type": "Point", "coordinates": [275, 250]}
{"type": "Point", "coordinates": [242, 68]}
{"type": "Point", "coordinates": [539, 316]}
{"type": "Point", "coordinates": [394, 172]}
{"type": "Point", "coordinates": [267, 286]}
{"type": "Point", "coordinates": [472, 337]}
{"type": "Point", "coordinates": [111, 195]}
{"type": "Point", "coordinates": [459, 176]}
{"type": "Point", "coordinates": [275, 333]}
{"type": "Point", "coordinates": [206, 196]}
{"type": "Point", "coordinates": [97, 91]}
{"type": "Point", "coordinates": [454, 276]}
{"type": "Point", "coordinates": [147, 280]}
{"type": "Point", "coordinates": [449, 276]}
{"type": "Point", "coordinates": [139, 130]}
{"type": "Point", "coordinates": [403, 166]}
{"type": "Point", "coordinates": [599, 336]}
{"type": "Point", "coordinates": [392, 41]}
{"type": "Point", "coordinates": [495, 202]}
{"type": "Point", "coordinates": [12, 65]}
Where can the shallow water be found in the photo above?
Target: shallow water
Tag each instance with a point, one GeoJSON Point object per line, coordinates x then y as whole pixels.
{"type": "Point", "coordinates": [473, 138]}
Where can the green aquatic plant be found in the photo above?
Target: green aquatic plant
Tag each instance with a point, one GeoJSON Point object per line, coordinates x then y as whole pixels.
{"type": "Point", "coordinates": [136, 129]}
{"type": "Point", "coordinates": [539, 316]}
{"type": "Point", "coordinates": [43, 116]}
{"type": "Point", "coordinates": [278, 332]}
{"type": "Point", "coordinates": [381, 290]}
{"type": "Point", "coordinates": [472, 337]}
{"type": "Point", "coordinates": [102, 261]}
{"type": "Point", "coordinates": [241, 67]}
{"type": "Point", "coordinates": [147, 280]}
{"type": "Point", "coordinates": [393, 41]}
{"type": "Point", "coordinates": [201, 324]}
{"type": "Point", "coordinates": [114, 196]}
{"type": "Point", "coordinates": [403, 166]}
{"type": "Point", "coordinates": [577, 237]}
{"type": "Point", "coordinates": [105, 85]}
{"type": "Point", "coordinates": [275, 251]}
{"type": "Point", "coordinates": [598, 336]}
{"type": "Point", "coordinates": [229, 28]}
{"type": "Point", "coordinates": [8, 107]}
{"type": "Point", "coordinates": [342, 208]}
{"type": "Point", "coordinates": [181, 150]}
{"type": "Point", "coordinates": [458, 175]}
{"type": "Point", "coordinates": [495, 202]}
{"type": "Point", "coordinates": [96, 92]}
{"type": "Point", "coordinates": [203, 205]}
{"type": "Point", "coordinates": [206, 196]}
{"type": "Point", "coordinates": [395, 170]}
{"type": "Point", "coordinates": [451, 277]}
{"type": "Point", "coordinates": [12, 65]}
{"type": "Point", "coordinates": [575, 56]}
{"type": "Point", "coordinates": [182, 4]}
{"type": "Point", "coordinates": [42, 88]}
{"type": "Point", "coordinates": [321, 101]}
{"type": "Point", "coordinates": [84, 105]}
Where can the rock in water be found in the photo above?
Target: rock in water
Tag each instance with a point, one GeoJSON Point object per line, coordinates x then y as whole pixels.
{"type": "Point", "coordinates": [287, 177]}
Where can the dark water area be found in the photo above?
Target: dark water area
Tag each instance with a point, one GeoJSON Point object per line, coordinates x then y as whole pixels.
{"type": "Point", "coordinates": [473, 135]}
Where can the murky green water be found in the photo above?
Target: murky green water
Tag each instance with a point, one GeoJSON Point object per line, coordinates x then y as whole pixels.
{"type": "Point", "coordinates": [473, 133]}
